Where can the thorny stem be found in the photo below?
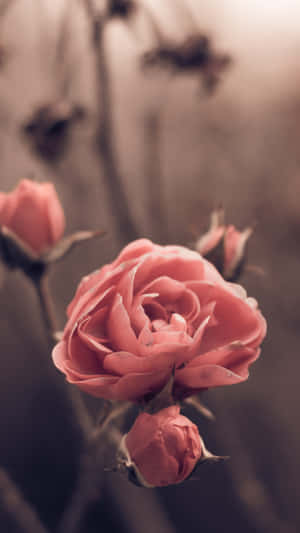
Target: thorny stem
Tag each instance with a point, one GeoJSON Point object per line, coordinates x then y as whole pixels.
{"type": "Point", "coordinates": [19, 511]}
{"type": "Point", "coordinates": [105, 136]}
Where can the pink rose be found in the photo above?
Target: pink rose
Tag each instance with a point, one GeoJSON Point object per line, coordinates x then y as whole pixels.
{"type": "Point", "coordinates": [164, 448]}
{"type": "Point", "coordinates": [33, 212]}
{"type": "Point", "coordinates": [225, 246]}
{"type": "Point", "coordinates": [157, 310]}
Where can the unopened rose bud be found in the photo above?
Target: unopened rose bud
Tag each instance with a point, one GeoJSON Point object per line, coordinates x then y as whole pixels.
{"type": "Point", "coordinates": [162, 449]}
{"type": "Point", "coordinates": [224, 246]}
{"type": "Point", "coordinates": [34, 214]}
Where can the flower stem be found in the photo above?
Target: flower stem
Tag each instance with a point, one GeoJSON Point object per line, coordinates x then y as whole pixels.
{"type": "Point", "coordinates": [89, 481]}
{"type": "Point", "coordinates": [41, 285]}
{"type": "Point", "coordinates": [153, 130]}
{"type": "Point", "coordinates": [126, 228]}
{"type": "Point", "coordinates": [20, 511]}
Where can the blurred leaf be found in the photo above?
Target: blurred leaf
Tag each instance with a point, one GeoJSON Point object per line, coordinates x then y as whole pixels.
{"type": "Point", "coordinates": [64, 246]}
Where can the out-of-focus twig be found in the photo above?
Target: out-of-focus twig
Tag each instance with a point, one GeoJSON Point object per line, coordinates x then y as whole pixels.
{"type": "Point", "coordinates": [64, 71]}
{"type": "Point", "coordinates": [184, 14]}
{"type": "Point", "coordinates": [153, 170]}
{"type": "Point", "coordinates": [89, 480]}
{"type": "Point", "coordinates": [20, 512]}
{"type": "Point", "coordinates": [249, 489]}
{"type": "Point", "coordinates": [126, 227]}
{"type": "Point", "coordinates": [4, 6]}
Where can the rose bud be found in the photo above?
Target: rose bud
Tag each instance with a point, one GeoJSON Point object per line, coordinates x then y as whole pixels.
{"type": "Point", "coordinates": [154, 313]}
{"type": "Point", "coordinates": [34, 214]}
{"type": "Point", "coordinates": [224, 246]}
{"type": "Point", "coordinates": [161, 449]}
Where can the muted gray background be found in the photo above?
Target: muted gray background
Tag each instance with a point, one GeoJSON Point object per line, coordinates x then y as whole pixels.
{"type": "Point", "coordinates": [239, 147]}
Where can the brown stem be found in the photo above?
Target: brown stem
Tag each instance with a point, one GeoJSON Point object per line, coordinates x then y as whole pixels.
{"type": "Point", "coordinates": [154, 24]}
{"type": "Point", "coordinates": [126, 229]}
{"type": "Point", "coordinates": [20, 511]}
{"type": "Point", "coordinates": [155, 195]}
{"type": "Point", "coordinates": [185, 15]}
{"type": "Point", "coordinates": [64, 71]}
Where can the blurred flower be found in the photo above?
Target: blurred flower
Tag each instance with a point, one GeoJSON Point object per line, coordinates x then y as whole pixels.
{"type": "Point", "coordinates": [224, 246]}
{"type": "Point", "coordinates": [34, 214]}
{"type": "Point", "coordinates": [121, 8]}
{"type": "Point", "coordinates": [49, 127]}
{"type": "Point", "coordinates": [194, 55]}
{"type": "Point", "coordinates": [158, 311]}
{"type": "Point", "coordinates": [161, 449]}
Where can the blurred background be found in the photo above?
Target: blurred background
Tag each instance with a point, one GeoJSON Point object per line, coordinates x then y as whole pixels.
{"type": "Point", "coordinates": [179, 141]}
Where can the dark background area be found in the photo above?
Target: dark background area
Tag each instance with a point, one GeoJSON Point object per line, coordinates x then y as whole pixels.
{"type": "Point", "coordinates": [239, 147]}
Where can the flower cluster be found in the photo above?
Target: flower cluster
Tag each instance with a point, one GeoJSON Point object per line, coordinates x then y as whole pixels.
{"type": "Point", "coordinates": [159, 315]}
{"type": "Point", "coordinates": [156, 326]}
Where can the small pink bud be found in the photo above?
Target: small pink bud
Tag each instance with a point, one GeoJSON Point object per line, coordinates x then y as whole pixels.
{"type": "Point", "coordinates": [224, 246]}
{"type": "Point", "coordinates": [163, 449]}
{"type": "Point", "coordinates": [33, 212]}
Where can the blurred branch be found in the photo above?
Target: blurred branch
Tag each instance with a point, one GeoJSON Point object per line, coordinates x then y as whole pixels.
{"type": "Point", "coordinates": [155, 196]}
{"type": "Point", "coordinates": [89, 480]}
{"type": "Point", "coordinates": [184, 13]}
{"type": "Point", "coordinates": [65, 75]}
{"type": "Point", "coordinates": [250, 491]}
{"type": "Point", "coordinates": [105, 135]}
{"type": "Point", "coordinates": [154, 24]}
{"type": "Point", "coordinates": [4, 6]}
{"type": "Point", "coordinates": [20, 511]}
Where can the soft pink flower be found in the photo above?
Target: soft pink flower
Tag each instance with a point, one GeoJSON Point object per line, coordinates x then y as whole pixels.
{"type": "Point", "coordinates": [157, 310]}
{"type": "Point", "coordinates": [33, 212]}
{"type": "Point", "coordinates": [163, 448]}
{"type": "Point", "coordinates": [224, 245]}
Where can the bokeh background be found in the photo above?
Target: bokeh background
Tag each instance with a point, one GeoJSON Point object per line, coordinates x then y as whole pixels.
{"type": "Point", "coordinates": [238, 147]}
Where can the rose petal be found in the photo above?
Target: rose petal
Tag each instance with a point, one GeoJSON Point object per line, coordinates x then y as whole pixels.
{"type": "Point", "coordinates": [134, 250]}
{"type": "Point", "coordinates": [236, 320]}
{"type": "Point", "coordinates": [119, 329]}
{"type": "Point", "coordinates": [205, 376]}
